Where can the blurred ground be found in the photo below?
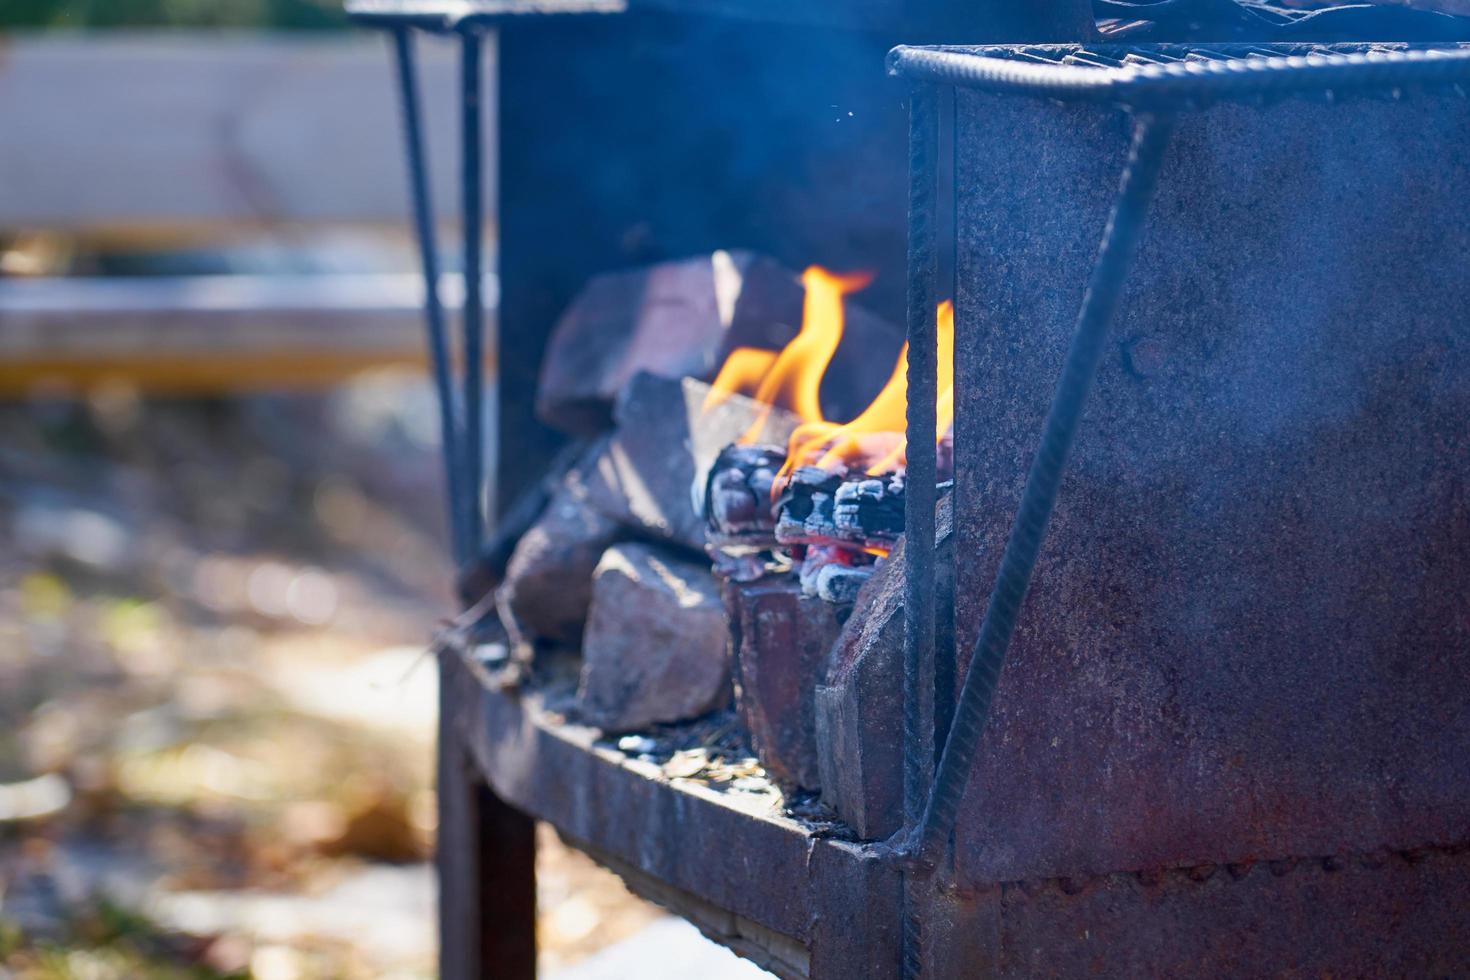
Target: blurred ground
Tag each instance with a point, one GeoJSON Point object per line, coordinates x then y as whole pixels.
{"type": "Point", "coordinates": [215, 722]}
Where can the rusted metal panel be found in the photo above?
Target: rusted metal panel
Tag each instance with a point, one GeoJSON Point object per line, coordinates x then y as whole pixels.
{"type": "Point", "coordinates": [1247, 634]}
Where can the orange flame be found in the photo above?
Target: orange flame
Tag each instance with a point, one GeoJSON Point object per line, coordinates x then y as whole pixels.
{"type": "Point", "coordinates": [877, 433]}
{"type": "Point", "coordinates": [792, 378]}
{"type": "Point", "coordinates": [741, 373]}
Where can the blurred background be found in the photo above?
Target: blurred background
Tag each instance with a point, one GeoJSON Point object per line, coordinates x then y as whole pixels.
{"type": "Point", "coordinates": [220, 500]}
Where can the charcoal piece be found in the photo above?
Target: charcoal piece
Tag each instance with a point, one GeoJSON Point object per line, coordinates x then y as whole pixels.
{"type": "Point", "coordinates": [548, 580]}
{"type": "Point", "coordinates": [859, 704]}
{"type": "Point", "coordinates": [781, 641]}
{"type": "Point", "coordinates": [664, 438]}
{"type": "Point", "coordinates": [681, 318]}
{"type": "Point", "coordinates": [828, 507]}
{"type": "Point", "coordinates": [656, 645]}
{"type": "Point", "coordinates": [818, 558]}
{"type": "Point", "coordinates": [842, 583]}
{"type": "Point", "coordinates": [869, 510]}
{"type": "Point", "coordinates": [804, 510]}
{"type": "Point", "coordinates": [737, 500]}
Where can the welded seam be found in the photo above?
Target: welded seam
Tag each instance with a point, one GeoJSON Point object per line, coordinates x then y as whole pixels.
{"type": "Point", "coordinates": [1378, 859]}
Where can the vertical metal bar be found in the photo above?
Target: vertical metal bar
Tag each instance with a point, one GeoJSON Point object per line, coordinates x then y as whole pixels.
{"type": "Point", "coordinates": [1119, 241]}
{"type": "Point", "coordinates": [423, 220]}
{"type": "Point", "coordinates": [947, 252]}
{"type": "Point", "coordinates": [473, 178]}
{"type": "Point", "coordinates": [919, 492]}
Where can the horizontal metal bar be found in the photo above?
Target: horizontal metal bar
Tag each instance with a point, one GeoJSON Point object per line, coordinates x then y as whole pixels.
{"type": "Point", "coordinates": [452, 15]}
{"type": "Point", "coordinates": [1001, 69]}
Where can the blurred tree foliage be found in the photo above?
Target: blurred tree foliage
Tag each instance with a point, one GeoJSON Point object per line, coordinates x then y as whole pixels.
{"type": "Point", "coordinates": [289, 14]}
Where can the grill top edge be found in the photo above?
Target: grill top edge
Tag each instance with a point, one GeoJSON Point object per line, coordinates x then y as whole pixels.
{"type": "Point", "coordinates": [1160, 76]}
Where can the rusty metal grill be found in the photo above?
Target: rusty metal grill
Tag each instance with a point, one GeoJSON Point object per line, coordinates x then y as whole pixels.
{"type": "Point", "coordinates": [1156, 83]}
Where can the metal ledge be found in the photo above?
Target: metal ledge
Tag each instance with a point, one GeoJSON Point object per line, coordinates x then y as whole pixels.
{"type": "Point", "coordinates": [750, 878]}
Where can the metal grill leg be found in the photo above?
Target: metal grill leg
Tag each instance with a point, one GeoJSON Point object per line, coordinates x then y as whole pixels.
{"type": "Point", "coordinates": [423, 220]}
{"type": "Point", "coordinates": [1120, 238]}
{"type": "Point", "coordinates": [486, 860]}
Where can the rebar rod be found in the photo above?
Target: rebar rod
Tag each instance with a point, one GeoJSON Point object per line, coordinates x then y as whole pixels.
{"type": "Point", "coordinates": [473, 184]}
{"type": "Point", "coordinates": [919, 492]}
{"type": "Point", "coordinates": [1119, 241]}
{"type": "Point", "coordinates": [438, 343]}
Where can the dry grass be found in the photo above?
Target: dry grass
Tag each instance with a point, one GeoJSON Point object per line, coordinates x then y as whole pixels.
{"type": "Point", "coordinates": [217, 731]}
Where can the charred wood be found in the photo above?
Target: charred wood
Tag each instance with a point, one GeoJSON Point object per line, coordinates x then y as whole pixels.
{"type": "Point", "coordinates": [826, 507]}
{"type": "Point", "coordinates": [804, 512]}
{"type": "Point", "coordinates": [841, 584]}
{"type": "Point", "coordinates": [870, 510]}
{"type": "Point", "coordinates": [738, 496]}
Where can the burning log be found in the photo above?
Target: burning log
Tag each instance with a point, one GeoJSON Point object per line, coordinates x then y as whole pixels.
{"type": "Point", "coordinates": [826, 507]}
{"type": "Point", "coordinates": [870, 510]}
{"type": "Point", "coordinates": [806, 505]}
